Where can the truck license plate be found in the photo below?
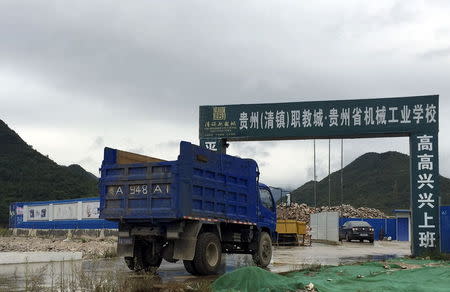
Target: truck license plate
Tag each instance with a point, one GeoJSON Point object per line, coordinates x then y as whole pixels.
{"type": "Point", "coordinates": [363, 234]}
{"type": "Point", "coordinates": [138, 190]}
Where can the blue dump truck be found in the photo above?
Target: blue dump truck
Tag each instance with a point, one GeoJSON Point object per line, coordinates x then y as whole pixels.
{"type": "Point", "coordinates": [192, 209]}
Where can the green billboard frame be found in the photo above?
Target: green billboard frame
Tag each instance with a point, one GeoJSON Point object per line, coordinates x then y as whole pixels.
{"type": "Point", "coordinates": [416, 117]}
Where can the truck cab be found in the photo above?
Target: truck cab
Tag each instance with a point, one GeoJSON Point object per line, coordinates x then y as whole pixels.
{"type": "Point", "coordinates": [267, 207]}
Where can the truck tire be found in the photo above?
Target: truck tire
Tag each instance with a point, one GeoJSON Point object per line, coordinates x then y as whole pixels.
{"type": "Point", "coordinates": [129, 261]}
{"type": "Point", "coordinates": [208, 254]}
{"type": "Point", "coordinates": [263, 253]}
{"type": "Point", "coordinates": [190, 268]}
{"type": "Point", "coordinates": [152, 262]}
{"type": "Point", "coordinates": [144, 260]}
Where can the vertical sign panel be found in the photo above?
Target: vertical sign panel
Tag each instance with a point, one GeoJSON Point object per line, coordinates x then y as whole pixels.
{"type": "Point", "coordinates": [425, 192]}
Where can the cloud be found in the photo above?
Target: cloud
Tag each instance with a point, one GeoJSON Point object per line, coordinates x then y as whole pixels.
{"type": "Point", "coordinates": [99, 142]}
{"type": "Point", "coordinates": [89, 74]}
{"type": "Point", "coordinates": [437, 53]}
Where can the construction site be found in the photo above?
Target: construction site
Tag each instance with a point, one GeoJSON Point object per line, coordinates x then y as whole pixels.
{"type": "Point", "coordinates": [185, 233]}
{"type": "Point", "coordinates": [242, 146]}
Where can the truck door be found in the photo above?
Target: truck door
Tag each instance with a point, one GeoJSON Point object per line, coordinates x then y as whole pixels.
{"type": "Point", "coordinates": [267, 209]}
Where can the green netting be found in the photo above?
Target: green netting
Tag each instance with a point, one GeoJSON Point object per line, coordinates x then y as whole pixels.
{"type": "Point", "coordinates": [254, 279]}
{"type": "Point", "coordinates": [372, 276]}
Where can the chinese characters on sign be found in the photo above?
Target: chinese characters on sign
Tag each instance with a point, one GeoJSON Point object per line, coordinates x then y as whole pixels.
{"type": "Point", "coordinates": [335, 117]}
{"type": "Point", "coordinates": [282, 120]}
{"type": "Point", "coordinates": [426, 196]}
{"type": "Point", "coordinates": [308, 119]}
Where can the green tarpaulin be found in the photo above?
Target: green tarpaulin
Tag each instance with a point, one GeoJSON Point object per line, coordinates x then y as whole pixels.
{"type": "Point", "coordinates": [373, 276]}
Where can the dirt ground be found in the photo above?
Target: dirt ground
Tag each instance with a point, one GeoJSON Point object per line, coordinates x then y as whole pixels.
{"type": "Point", "coordinates": [98, 255]}
{"type": "Point", "coordinates": [283, 257]}
{"type": "Point", "coordinates": [90, 247]}
{"type": "Point", "coordinates": [288, 258]}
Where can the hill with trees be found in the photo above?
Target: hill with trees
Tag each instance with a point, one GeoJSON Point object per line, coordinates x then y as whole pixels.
{"type": "Point", "coordinates": [27, 175]}
{"type": "Point", "coordinates": [375, 180]}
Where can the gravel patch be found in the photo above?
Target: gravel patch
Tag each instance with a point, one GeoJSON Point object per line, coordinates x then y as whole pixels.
{"type": "Point", "coordinates": [90, 247]}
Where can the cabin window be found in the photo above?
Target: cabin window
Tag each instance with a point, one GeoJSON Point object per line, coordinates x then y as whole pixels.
{"type": "Point", "coordinates": [266, 199]}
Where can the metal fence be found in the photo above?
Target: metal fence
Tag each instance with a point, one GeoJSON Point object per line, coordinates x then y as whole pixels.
{"type": "Point", "coordinates": [84, 214]}
{"type": "Point", "coordinates": [445, 229]}
{"type": "Point", "coordinates": [382, 227]}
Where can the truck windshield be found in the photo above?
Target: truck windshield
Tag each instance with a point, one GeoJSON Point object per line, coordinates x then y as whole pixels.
{"type": "Point", "coordinates": [266, 199]}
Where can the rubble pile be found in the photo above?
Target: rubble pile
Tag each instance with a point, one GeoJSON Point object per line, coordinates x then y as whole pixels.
{"type": "Point", "coordinates": [301, 212]}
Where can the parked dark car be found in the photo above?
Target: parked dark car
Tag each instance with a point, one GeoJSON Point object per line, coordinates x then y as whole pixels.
{"type": "Point", "coordinates": [360, 230]}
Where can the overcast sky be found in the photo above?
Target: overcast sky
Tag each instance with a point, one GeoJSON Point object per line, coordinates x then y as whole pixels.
{"type": "Point", "coordinates": [76, 76]}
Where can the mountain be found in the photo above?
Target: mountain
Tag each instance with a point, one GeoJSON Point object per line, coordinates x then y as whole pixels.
{"type": "Point", "coordinates": [376, 180]}
{"type": "Point", "coordinates": [27, 175]}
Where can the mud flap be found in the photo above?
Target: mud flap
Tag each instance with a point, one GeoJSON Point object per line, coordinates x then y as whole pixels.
{"type": "Point", "coordinates": [125, 247]}
{"type": "Point", "coordinates": [184, 248]}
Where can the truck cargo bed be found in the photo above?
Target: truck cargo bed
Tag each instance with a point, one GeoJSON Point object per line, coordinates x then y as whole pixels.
{"type": "Point", "coordinates": [200, 183]}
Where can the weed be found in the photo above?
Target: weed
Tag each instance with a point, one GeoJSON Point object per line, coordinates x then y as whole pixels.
{"type": "Point", "coordinates": [435, 255]}
{"type": "Point", "coordinates": [9, 283]}
{"type": "Point", "coordinates": [5, 232]}
{"type": "Point", "coordinates": [34, 278]}
{"type": "Point", "coordinates": [307, 268]}
{"type": "Point", "coordinates": [109, 253]}
{"type": "Point", "coordinates": [87, 277]}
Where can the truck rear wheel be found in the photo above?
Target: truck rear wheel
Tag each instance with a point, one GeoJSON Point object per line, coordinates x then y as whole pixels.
{"type": "Point", "coordinates": [263, 254]}
{"type": "Point", "coordinates": [129, 261]}
{"type": "Point", "coordinates": [143, 263]}
{"type": "Point", "coordinates": [190, 268]}
{"type": "Point", "coordinates": [208, 254]}
{"type": "Point", "coordinates": [144, 259]}
{"type": "Point", "coordinates": [151, 262]}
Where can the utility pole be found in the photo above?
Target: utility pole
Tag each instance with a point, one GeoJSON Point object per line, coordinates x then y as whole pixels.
{"type": "Point", "coordinates": [315, 176]}
{"type": "Point", "coordinates": [329, 172]}
{"type": "Point", "coordinates": [342, 171]}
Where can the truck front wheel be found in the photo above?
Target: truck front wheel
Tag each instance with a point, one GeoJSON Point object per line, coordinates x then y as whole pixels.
{"type": "Point", "coordinates": [263, 253]}
{"type": "Point", "coordinates": [208, 254]}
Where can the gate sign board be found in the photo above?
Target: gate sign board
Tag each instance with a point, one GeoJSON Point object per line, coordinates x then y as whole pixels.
{"type": "Point", "coordinates": [416, 117]}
